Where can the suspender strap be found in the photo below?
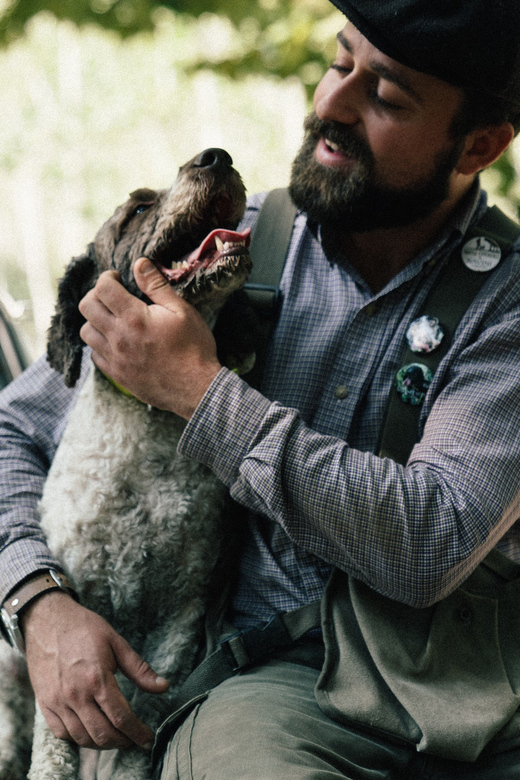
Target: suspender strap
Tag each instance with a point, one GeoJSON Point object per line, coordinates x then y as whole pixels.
{"type": "Point", "coordinates": [502, 566]}
{"type": "Point", "coordinates": [449, 299]}
{"type": "Point", "coordinates": [270, 242]}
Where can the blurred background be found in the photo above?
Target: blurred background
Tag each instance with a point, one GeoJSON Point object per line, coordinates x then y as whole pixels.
{"type": "Point", "coordinates": [100, 97]}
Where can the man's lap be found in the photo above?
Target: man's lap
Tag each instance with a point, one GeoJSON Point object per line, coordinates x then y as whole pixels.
{"type": "Point", "coordinates": [265, 725]}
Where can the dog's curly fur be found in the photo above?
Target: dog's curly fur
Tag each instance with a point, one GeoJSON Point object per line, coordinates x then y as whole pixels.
{"type": "Point", "coordinates": [138, 528]}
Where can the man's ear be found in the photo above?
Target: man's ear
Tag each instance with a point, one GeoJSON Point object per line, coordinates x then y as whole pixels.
{"type": "Point", "coordinates": [483, 147]}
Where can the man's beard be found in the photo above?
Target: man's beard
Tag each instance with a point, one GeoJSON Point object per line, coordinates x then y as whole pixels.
{"type": "Point", "coordinates": [357, 201]}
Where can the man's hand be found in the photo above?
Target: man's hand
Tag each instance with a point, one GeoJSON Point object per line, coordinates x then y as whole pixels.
{"type": "Point", "coordinates": [72, 655]}
{"type": "Point", "coordinates": [164, 354]}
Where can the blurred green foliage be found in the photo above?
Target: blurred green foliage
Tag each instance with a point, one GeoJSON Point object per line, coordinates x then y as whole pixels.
{"type": "Point", "coordinates": [506, 177]}
{"type": "Point", "coordinates": [281, 38]}
{"type": "Point", "coordinates": [131, 16]}
{"type": "Point", "coordinates": [125, 16]}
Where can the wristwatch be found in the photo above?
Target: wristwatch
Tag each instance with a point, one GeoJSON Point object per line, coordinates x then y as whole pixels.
{"type": "Point", "coordinates": [24, 595]}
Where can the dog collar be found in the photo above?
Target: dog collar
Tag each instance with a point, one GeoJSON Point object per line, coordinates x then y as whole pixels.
{"type": "Point", "coordinates": [121, 389]}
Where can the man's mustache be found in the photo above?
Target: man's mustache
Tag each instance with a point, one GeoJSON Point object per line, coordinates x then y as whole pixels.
{"type": "Point", "coordinates": [339, 134]}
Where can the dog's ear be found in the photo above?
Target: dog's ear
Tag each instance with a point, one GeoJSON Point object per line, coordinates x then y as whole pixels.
{"type": "Point", "coordinates": [64, 345]}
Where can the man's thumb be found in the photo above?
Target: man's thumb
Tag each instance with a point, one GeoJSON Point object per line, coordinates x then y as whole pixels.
{"type": "Point", "coordinates": [137, 670]}
{"type": "Point", "coordinates": [151, 281]}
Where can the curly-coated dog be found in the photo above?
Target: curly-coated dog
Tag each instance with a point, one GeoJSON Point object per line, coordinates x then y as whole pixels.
{"type": "Point", "coordinates": [137, 527]}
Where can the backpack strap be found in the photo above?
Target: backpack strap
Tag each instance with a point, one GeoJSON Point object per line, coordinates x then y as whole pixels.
{"type": "Point", "coordinates": [269, 245]}
{"type": "Point", "coordinates": [449, 299]}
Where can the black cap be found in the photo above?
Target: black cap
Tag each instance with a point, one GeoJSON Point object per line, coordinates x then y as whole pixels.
{"type": "Point", "coordinates": [468, 43]}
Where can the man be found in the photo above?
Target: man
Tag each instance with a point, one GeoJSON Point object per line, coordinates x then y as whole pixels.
{"type": "Point", "coordinates": [420, 98]}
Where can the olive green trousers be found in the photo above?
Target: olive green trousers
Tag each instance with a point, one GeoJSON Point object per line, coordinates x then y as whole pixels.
{"type": "Point", "coordinates": [265, 725]}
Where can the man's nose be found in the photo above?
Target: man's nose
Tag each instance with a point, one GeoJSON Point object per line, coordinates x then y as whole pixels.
{"type": "Point", "coordinates": [338, 100]}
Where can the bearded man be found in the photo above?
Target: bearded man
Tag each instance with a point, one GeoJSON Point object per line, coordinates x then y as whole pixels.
{"type": "Point", "coordinates": [408, 674]}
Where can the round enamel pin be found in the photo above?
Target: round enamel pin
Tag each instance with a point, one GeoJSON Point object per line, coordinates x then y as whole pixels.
{"type": "Point", "coordinates": [412, 382]}
{"type": "Point", "coordinates": [481, 254]}
{"type": "Point", "coordinates": [424, 334]}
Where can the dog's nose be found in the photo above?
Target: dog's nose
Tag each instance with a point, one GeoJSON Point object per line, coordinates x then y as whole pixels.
{"type": "Point", "coordinates": [213, 158]}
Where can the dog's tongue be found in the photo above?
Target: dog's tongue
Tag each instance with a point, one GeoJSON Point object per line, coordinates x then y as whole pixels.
{"type": "Point", "coordinates": [209, 243]}
{"type": "Point", "coordinates": [207, 253]}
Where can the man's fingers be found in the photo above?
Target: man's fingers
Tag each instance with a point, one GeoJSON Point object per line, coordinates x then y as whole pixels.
{"type": "Point", "coordinates": [107, 298]}
{"type": "Point", "coordinates": [137, 670]}
{"type": "Point", "coordinates": [101, 308]}
{"type": "Point", "coordinates": [56, 724]}
{"type": "Point", "coordinates": [153, 284]}
{"type": "Point", "coordinates": [91, 728]}
{"type": "Point", "coordinates": [68, 726]}
{"type": "Point", "coordinates": [96, 340]}
{"type": "Point", "coordinates": [99, 316]}
{"type": "Point", "coordinates": [122, 723]}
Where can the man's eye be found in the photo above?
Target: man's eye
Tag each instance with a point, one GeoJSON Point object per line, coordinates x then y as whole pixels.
{"type": "Point", "coordinates": [340, 68]}
{"type": "Point", "coordinates": [384, 103]}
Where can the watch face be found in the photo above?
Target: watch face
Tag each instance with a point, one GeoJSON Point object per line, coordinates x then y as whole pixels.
{"type": "Point", "coordinates": [13, 632]}
{"type": "Point", "coordinates": [5, 619]}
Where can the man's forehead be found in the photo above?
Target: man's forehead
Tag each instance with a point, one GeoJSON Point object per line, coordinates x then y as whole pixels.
{"type": "Point", "coordinates": [350, 39]}
{"type": "Point", "coordinates": [412, 81]}
{"type": "Point", "coordinates": [354, 41]}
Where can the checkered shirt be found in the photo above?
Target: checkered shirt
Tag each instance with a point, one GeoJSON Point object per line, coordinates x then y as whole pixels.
{"type": "Point", "coordinates": [301, 459]}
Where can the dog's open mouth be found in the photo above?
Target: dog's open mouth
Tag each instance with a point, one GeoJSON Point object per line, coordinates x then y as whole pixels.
{"type": "Point", "coordinates": [221, 248]}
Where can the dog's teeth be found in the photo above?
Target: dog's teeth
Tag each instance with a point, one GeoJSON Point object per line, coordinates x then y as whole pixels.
{"type": "Point", "coordinates": [232, 244]}
{"type": "Point", "coordinates": [219, 243]}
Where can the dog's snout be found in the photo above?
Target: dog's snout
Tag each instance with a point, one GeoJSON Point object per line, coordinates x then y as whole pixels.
{"type": "Point", "coordinates": [213, 158]}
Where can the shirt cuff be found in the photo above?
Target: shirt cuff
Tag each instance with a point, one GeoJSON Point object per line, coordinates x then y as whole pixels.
{"type": "Point", "coordinates": [22, 559]}
{"type": "Point", "coordinates": [224, 424]}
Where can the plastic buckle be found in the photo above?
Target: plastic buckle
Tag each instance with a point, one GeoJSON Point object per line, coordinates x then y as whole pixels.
{"type": "Point", "coordinates": [236, 652]}
{"type": "Point", "coordinates": [253, 644]}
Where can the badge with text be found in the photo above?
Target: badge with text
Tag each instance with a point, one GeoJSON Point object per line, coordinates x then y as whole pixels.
{"type": "Point", "coordinates": [481, 254]}
{"type": "Point", "coordinates": [412, 382]}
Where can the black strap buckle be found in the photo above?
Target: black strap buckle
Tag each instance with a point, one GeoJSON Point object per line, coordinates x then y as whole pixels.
{"type": "Point", "coordinates": [251, 645]}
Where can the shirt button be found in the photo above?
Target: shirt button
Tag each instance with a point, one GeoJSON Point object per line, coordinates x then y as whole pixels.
{"type": "Point", "coordinates": [465, 615]}
{"type": "Point", "coordinates": [341, 392]}
{"type": "Point", "coordinates": [371, 309]}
